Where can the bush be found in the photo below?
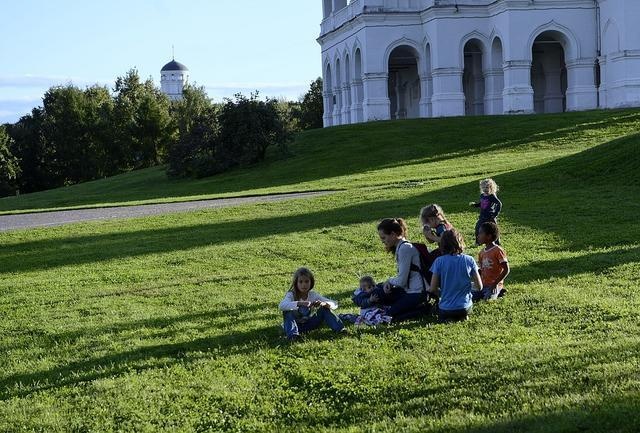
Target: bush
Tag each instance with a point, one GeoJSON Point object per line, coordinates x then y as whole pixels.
{"type": "Point", "coordinates": [193, 153]}
{"type": "Point", "coordinates": [237, 135]}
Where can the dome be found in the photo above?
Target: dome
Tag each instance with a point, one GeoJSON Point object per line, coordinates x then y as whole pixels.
{"type": "Point", "coordinates": [174, 66]}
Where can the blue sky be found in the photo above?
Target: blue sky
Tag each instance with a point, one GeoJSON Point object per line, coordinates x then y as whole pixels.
{"type": "Point", "coordinates": [229, 46]}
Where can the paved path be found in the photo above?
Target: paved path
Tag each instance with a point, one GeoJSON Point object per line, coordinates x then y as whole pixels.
{"type": "Point", "coordinates": [58, 218]}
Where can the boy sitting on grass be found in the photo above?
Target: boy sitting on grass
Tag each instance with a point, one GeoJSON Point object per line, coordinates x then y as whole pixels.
{"type": "Point", "coordinates": [494, 266]}
{"type": "Point", "coordinates": [365, 296]}
{"type": "Point", "coordinates": [369, 298]}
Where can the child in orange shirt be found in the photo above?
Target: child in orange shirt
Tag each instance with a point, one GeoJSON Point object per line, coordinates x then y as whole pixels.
{"type": "Point", "coordinates": [493, 263]}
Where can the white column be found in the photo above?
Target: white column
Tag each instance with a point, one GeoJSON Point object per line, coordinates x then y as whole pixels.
{"type": "Point", "coordinates": [582, 91]}
{"type": "Point", "coordinates": [478, 94]}
{"type": "Point", "coordinates": [603, 82]}
{"type": "Point", "coordinates": [401, 111]}
{"type": "Point", "coordinates": [553, 96]}
{"type": "Point", "coordinates": [518, 93]}
{"type": "Point", "coordinates": [448, 97]}
{"type": "Point", "coordinates": [346, 105]}
{"type": "Point", "coordinates": [494, 84]}
{"type": "Point", "coordinates": [357, 92]}
{"type": "Point", "coordinates": [376, 102]}
{"type": "Point", "coordinates": [327, 117]}
{"type": "Point", "coordinates": [426, 92]}
{"type": "Point", "coordinates": [337, 108]}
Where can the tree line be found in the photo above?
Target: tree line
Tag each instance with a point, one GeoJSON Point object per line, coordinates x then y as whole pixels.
{"type": "Point", "coordinates": [79, 135]}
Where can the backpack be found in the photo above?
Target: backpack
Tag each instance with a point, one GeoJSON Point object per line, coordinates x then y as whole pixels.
{"type": "Point", "coordinates": [426, 260]}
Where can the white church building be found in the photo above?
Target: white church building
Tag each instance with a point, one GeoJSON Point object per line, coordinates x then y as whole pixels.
{"type": "Point", "coordinates": [396, 59]}
{"type": "Point", "coordinates": [173, 77]}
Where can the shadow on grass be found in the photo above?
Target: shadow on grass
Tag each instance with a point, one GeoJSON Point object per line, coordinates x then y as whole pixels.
{"type": "Point", "coordinates": [162, 355]}
{"type": "Point", "coordinates": [552, 379]}
{"type": "Point", "coordinates": [595, 263]}
{"type": "Point", "coordinates": [617, 414]}
{"type": "Point", "coordinates": [567, 208]}
{"type": "Point", "coordinates": [141, 359]}
{"type": "Point", "coordinates": [162, 326]}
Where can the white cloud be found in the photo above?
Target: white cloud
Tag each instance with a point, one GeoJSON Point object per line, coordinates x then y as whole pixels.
{"type": "Point", "coordinates": [42, 81]}
{"type": "Point", "coordinates": [227, 90]}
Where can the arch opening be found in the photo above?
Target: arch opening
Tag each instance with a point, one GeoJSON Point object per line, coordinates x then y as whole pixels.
{"type": "Point", "coordinates": [404, 83]}
{"type": "Point", "coordinates": [497, 78]}
{"type": "Point", "coordinates": [549, 73]}
{"type": "Point", "coordinates": [358, 90]}
{"type": "Point", "coordinates": [473, 84]}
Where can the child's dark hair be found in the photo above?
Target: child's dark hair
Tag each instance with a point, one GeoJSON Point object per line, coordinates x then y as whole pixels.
{"type": "Point", "coordinates": [393, 225]}
{"type": "Point", "coordinates": [368, 279]}
{"type": "Point", "coordinates": [301, 272]}
{"type": "Point", "coordinates": [451, 242]}
{"type": "Point", "coordinates": [490, 229]}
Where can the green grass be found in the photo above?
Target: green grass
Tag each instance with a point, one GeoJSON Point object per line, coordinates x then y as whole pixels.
{"type": "Point", "coordinates": [170, 323]}
{"type": "Point", "coordinates": [382, 154]}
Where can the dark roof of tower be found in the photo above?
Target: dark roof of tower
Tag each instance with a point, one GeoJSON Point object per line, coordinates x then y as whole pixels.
{"type": "Point", "coordinates": [174, 66]}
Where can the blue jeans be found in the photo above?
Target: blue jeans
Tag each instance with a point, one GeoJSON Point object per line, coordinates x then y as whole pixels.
{"type": "Point", "coordinates": [324, 315]}
{"type": "Point", "coordinates": [405, 303]}
{"type": "Point", "coordinates": [447, 316]}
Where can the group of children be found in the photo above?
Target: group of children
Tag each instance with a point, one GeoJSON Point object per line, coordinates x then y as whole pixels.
{"type": "Point", "coordinates": [443, 276]}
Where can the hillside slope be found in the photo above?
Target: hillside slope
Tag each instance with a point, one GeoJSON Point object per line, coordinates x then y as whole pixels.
{"type": "Point", "coordinates": [170, 323]}
{"type": "Point", "coordinates": [363, 156]}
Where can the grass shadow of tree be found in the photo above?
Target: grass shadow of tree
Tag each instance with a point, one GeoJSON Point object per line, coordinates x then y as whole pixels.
{"type": "Point", "coordinates": [520, 208]}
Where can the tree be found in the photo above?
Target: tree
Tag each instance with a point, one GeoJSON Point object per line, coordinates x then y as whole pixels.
{"type": "Point", "coordinates": [289, 113]}
{"type": "Point", "coordinates": [31, 148]}
{"type": "Point", "coordinates": [77, 126]}
{"type": "Point", "coordinates": [193, 106]}
{"type": "Point", "coordinates": [9, 167]}
{"type": "Point", "coordinates": [312, 106]}
{"type": "Point", "coordinates": [234, 135]}
{"type": "Point", "coordinates": [248, 126]}
{"type": "Point", "coordinates": [195, 117]}
{"type": "Point", "coordinates": [142, 124]}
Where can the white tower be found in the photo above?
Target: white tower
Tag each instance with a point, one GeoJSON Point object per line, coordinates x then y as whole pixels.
{"type": "Point", "coordinates": [173, 77]}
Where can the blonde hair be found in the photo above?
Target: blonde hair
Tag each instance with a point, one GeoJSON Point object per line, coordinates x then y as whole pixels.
{"type": "Point", "coordinates": [490, 184]}
{"type": "Point", "coordinates": [301, 272]}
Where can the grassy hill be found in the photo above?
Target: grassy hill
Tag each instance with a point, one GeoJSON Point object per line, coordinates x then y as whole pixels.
{"type": "Point", "coordinates": [170, 323]}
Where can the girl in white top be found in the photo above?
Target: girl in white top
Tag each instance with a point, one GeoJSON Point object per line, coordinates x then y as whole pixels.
{"type": "Point", "coordinates": [304, 310]}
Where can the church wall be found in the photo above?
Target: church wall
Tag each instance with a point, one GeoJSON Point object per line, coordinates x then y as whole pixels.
{"type": "Point", "coordinates": [620, 54]}
{"type": "Point", "coordinates": [506, 65]}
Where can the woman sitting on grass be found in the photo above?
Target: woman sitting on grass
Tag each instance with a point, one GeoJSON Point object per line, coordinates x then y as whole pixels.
{"type": "Point", "coordinates": [304, 309]}
{"type": "Point", "coordinates": [405, 292]}
{"type": "Point", "coordinates": [453, 273]}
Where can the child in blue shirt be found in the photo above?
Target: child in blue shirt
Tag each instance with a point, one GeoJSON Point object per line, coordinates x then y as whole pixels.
{"type": "Point", "coordinates": [453, 273]}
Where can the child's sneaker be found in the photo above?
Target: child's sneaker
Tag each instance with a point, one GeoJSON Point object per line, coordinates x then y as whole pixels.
{"type": "Point", "coordinates": [502, 293]}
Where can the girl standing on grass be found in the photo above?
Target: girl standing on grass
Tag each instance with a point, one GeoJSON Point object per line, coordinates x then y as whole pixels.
{"type": "Point", "coordinates": [489, 204]}
{"type": "Point", "coordinates": [453, 273]}
{"type": "Point", "coordinates": [304, 309]}
{"type": "Point", "coordinates": [434, 223]}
